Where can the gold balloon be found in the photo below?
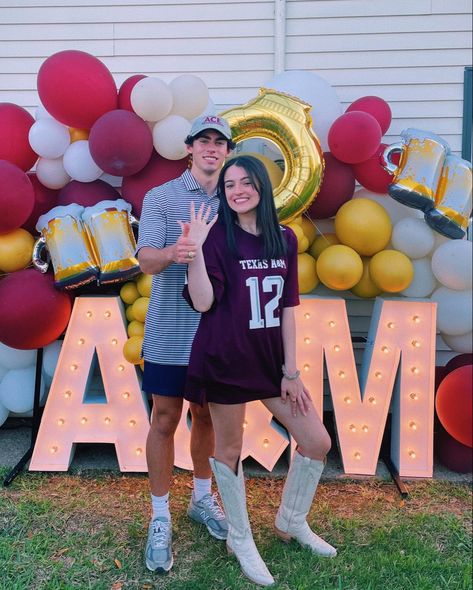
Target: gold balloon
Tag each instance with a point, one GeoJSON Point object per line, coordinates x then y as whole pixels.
{"type": "Point", "coordinates": [309, 229]}
{"type": "Point", "coordinates": [302, 241]}
{"type": "Point", "coordinates": [364, 225]}
{"type": "Point", "coordinates": [391, 270]}
{"type": "Point", "coordinates": [132, 349]}
{"type": "Point", "coordinates": [321, 242]}
{"type": "Point", "coordinates": [143, 284]}
{"type": "Point", "coordinates": [78, 134]}
{"type": "Point", "coordinates": [274, 172]}
{"type": "Point", "coordinates": [339, 267]}
{"type": "Point", "coordinates": [365, 286]}
{"type": "Point", "coordinates": [286, 121]}
{"type": "Point", "coordinates": [140, 309]}
{"type": "Point", "coordinates": [135, 328]}
{"type": "Point", "coordinates": [306, 273]}
{"type": "Point", "coordinates": [129, 293]}
{"type": "Point", "coordinates": [16, 248]}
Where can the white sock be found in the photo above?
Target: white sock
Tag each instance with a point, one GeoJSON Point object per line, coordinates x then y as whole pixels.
{"type": "Point", "coordinates": [201, 488]}
{"type": "Point", "coordinates": [160, 506]}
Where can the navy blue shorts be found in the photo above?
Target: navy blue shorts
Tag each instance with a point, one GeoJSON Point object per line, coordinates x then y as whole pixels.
{"type": "Point", "coordinates": [167, 380]}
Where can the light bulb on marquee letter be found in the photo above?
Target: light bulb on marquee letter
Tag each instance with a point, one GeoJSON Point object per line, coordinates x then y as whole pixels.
{"type": "Point", "coordinates": [95, 323]}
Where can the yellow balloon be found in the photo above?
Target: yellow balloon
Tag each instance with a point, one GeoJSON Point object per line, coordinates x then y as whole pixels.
{"type": "Point", "coordinates": [135, 328]}
{"type": "Point", "coordinates": [321, 242]}
{"type": "Point", "coordinates": [274, 172]}
{"type": "Point", "coordinates": [339, 267]}
{"type": "Point", "coordinates": [364, 225]}
{"type": "Point", "coordinates": [140, 308]}
{"type": "Point", "coordinates": [77, 134]}
{"type": "Point", "coordinates": [143, 283]}
{"type": "Point", "coordinates": [306, 273]}
{"type": "Point", "coordinates": [16, 248]}
{"type": "Point", "coordinates": [391, 270]}
{"type": "Point", "coordinates": [132, 349]}
{"type": "Point", "coordinates": [365, 286]}
{"type": "Point", "coordinates": [286, 121]}
{"type": "Point", "coordinates": [302, 241]}
{"type": "Point", "coordinates": [129, 293]}
{"type": "Point", "coordinates": [129, 313]}
{"type": "Point", "coordinates": [309, 229]}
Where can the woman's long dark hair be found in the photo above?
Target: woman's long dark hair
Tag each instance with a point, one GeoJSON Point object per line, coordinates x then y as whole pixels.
{"type": "Point", "coordinates": [274, 244]}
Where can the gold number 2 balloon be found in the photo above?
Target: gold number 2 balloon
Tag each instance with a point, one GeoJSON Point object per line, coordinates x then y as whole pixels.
{"type": "Point", "coordinates": [286, 121]}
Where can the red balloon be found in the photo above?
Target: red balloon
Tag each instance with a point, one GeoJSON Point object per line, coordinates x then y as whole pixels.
{"type": "Point", "coordinates": [44, 200]}
{"type": "Point", "coordinates": [338, 186]}
{"type": "Point", "coordinates": [372, 175]}
{"type": "Point", "coordinates": [124, 93]}
{"type": "Point", "coordinates": [16, 196]}
{"type": "Point", "coordinates": [121, 143]}
{"type": "Point", "coordinates": [15, 124]}
{"type": "Point", "coordinates": [459, 361]}
{"type": "Point", "coordinates": [375, 106]}
{"type": "Point", "coordinates": [32, 312]}
{"type": "Point", "coordinates": [454, 404]}
{"type": "Point", "coordinates": [158, 171]}
{"type": "Point", "coordinates": [453, 454]}
{"type": "Point", "coordinates": [354, 137]}
{"type": "Point", "coordinates": [87, 194]}
{"type": "Point", "coordinates": [76, 88]}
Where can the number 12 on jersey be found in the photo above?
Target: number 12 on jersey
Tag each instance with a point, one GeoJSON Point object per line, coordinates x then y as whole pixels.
{"type": "Point", "coordinates": [264, 318]}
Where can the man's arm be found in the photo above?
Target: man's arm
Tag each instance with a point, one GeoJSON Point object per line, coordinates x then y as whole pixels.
{"type": "Point", "coordinates": [155, 260]}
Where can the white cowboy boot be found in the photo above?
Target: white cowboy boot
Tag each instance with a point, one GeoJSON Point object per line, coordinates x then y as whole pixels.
{"type": "Point", "coordinates": [239, 540]}
{"type": "Point", "coordinates": [297, 496]}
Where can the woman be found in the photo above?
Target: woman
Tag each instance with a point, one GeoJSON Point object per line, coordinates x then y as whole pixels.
{"type": "Point", "coordinates": [242, 276]}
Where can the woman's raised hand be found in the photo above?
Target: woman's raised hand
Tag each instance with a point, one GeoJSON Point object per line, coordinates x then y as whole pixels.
{"type": "Point", "coordinates": [195, 232]}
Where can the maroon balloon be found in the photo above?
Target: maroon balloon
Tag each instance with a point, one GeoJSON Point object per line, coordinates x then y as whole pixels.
{"type": "Point", "coordinates": [44, 200]}
{"type": "Point", "coordinates": [76, 88]}
{"type": "Point", "coordinates": [338, 186]}
{"type": "Point", "coordinates": [375, 106]}
{"type": "Point", "coordinates": [15, 125]}
{"type": "Point", "coordinates": [87, 194]}
{"type": "Point", "coordinates": [371, 173]}
{"type": "Point", "coordinates": [354, 137]}
{"type": "Point", "coordinates": [16, 196]}
{"type": "Point", "coordinates": [158, 171]}
{"type": "Point", "coordinates": [124, 94]}
{"type": "Point", "coordinates": [32, 312]}
{"type": "Point", "coordinates": [451, 453]}
{"type": "Point", "coordinates": [121, 143]}
{"type": "Point", "coordinates": [459, 361]}
{"type": "Point", "coordinates": [454, 404]}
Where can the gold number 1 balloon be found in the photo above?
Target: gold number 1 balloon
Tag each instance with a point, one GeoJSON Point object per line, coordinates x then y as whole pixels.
{"type": "Point", "coordinates": [286, 121]}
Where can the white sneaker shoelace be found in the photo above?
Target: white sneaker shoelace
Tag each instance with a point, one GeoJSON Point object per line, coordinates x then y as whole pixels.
{"type": "Point", "coordinates": [211, 502]}
{"type": "Point", "coordinates": [160, 534]}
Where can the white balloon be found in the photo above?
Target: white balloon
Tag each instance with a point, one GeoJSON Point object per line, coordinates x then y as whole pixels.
{"type": "Point", "coordinates": [210, 109]}
{"type": "Point", "coordinates": [3, 414]}
{"type": "Point", "coordinates": [79, 164]}
{"type": "Point", "coordinates": [13, 358]}
{"type": "Point", "coordinates": [462, 343]}
{"type": "Point", "coordinates": [413, 237]}
{"type": "Point", "coordinates": [50, 357]}
{"type": "Point", "coordinates": [423, 282]}
{"type": "Point", "coordinates": [190, 96]}
{"type": "Point", "coordinates": [51, 173]}
{"type": "Point", "coordinates": [454, 311]}
{"type": "Point", "coordinates": [313, 89]}
{"type": "Point", "coordinates": [49, 138]}
{"type": "Point", "coordinates": [451, 264]}
{"type": "Point", "coordinates": [151, 99]}
{"type": "Point", "coordinates": [169, 136]}
{"type": "Point", "coordinates": [394, 209]}
{"type": "Point", "coordinates": [3, 372]}
{"type": "Point", "coordinates": [17, 390]}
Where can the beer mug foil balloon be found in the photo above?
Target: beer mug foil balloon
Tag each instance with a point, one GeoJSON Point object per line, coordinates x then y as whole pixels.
{"type": "Point", "coordinates": [429, 178]}
{"type": "Point", "coordinates": [285, 120]}
{"type": "Point", "coordinates": [451, 213]}
{"type": "Point", "coordinates": [71, 254]}
{"type": "Point", "coordinates": [108, 225]}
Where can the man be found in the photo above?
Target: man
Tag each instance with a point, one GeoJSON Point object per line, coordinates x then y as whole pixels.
{"type": "Point", "coordinates": [164, 252]}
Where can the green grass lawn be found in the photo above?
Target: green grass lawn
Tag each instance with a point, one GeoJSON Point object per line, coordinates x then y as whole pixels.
{"type": "Point", "coordinates": [88, 531]}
